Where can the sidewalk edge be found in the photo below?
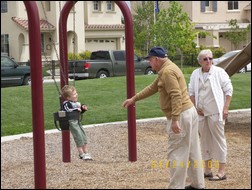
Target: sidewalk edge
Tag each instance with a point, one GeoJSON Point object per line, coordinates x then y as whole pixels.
{"type": "Point", "coordinates": [14, 137]}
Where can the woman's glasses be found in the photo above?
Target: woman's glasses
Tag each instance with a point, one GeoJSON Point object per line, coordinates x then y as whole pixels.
{"type": "Point", "coordinates": [208, 58]}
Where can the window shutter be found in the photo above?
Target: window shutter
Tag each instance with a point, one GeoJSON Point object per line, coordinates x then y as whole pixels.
{"type": "Point", "coordinates": [203, 6]}
{"type": "Point", "coordinates": [214, 6]}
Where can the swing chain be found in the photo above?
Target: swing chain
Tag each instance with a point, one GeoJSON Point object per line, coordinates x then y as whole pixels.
{"type": "Point", "coordinates": [61, 117]}
{"type": "Point", "coordinates": [55, 49]}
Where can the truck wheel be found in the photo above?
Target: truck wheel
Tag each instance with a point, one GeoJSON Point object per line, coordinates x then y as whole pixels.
{"type": "Point", "coordinates": [102, 74]}
{"type": "Point", "coordinates": [149, 71]}
{"type": "Point", "coordinates": [27, 80]}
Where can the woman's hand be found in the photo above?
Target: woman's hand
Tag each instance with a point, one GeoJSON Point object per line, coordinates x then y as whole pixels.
{"type": "Point", "coordinates": [225, 113]}
{"type": "Point", "coordinates": [200, 112]}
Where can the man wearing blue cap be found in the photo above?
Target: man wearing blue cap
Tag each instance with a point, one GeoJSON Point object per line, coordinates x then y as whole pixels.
{"type": "Point", "coordinates": [182, 120]}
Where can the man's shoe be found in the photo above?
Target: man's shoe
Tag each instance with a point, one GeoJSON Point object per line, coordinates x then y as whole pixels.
{"type": "Point", "coordinates": [191, 187]}
{"type": "Point", "coordinates": [208, 175]}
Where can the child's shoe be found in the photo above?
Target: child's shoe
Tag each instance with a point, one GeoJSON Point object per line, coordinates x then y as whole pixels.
{"type": "Point", "coordinates": [85, 156]}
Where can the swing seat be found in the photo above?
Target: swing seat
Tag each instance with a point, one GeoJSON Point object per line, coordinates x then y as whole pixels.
{"type": "Point", "coordinates": [62, 118]}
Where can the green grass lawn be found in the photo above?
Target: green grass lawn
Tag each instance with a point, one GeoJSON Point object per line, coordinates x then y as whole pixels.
{"type": "Point", "coordinates": [103, 97]}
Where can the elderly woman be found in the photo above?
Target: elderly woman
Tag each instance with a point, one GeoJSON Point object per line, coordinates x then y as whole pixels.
{"type": "Point", "coordinates": [210, 90]}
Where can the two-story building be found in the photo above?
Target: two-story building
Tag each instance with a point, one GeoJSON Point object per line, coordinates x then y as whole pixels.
{"type": "Point", "coordinates": [96, 25]}
{"type": "Point", "coordinates": [91, 25]}
{"type": "Point", "coordinates": [212, 17]}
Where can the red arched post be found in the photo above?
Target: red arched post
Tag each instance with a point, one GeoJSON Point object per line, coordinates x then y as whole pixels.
{"type": "Point", "coordinates": [37, 94]}
{"type": "Point", "coordinates": [64, 70]}
{"type": "Point", "coordinates": [129, 73]}
{"type": "Point", "coordinates": [130, 78]}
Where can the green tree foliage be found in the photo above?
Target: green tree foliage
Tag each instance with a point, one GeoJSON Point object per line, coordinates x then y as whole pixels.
{"type": "Point", "coordinates": [173, 29]}
{"type": "Point", "coordinates": [143, 22]}
{"type": "Point", "coordinates": [236, 35]}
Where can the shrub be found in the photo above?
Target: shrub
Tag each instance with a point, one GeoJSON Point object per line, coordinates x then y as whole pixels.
{"type": "Point", "coordinates": [217, 52]}
{"type": "Point", "coordinates": [72, 56]}
{"type": "Point", "coordinates": [85, 54]}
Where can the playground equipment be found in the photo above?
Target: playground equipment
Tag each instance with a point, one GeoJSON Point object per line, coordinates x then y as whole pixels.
{"type": "Point", "coordinates": [37, 84]}
{"type": "Point", "coordinates": [61, 119]}
{"type": "Point", "coordinates": [236, 62]}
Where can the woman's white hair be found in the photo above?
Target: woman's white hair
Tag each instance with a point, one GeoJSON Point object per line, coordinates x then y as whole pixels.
{"type": "Point", "coordinates": [204, 52]}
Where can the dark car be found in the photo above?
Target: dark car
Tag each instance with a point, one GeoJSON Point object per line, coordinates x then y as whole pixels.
{"type": "Point", "coordinates": [13, 74]}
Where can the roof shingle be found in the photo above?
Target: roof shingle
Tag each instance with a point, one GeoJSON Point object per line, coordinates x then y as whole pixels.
{"type": "Point", "coordinates": [44, 24]}
{"type": "Point", "coordinates": [104, 26]}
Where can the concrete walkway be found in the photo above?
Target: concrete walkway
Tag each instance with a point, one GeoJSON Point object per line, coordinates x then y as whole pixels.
{"type": "Point", "coordinates": [14, 137]}
{"type": "Point", "coordinates": [49, 79]}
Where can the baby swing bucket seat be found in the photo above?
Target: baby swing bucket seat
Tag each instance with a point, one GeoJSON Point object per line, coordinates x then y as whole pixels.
{"type": "Point", "coordinates": [62, 118]}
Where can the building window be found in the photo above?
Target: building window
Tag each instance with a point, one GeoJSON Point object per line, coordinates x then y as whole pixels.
{"type": "Point", "coordinates": [4, 8]}
{"type": "Point", "coordinates": [233, 5]}
{"type": "Point", "coordinates": [110, 6]}
{"type": "Point", "coordinates": [5, 43]}
{"type": "Point", "coordinates": [208, 6]}
{"type": "Point", "coordinates": [97, 5]}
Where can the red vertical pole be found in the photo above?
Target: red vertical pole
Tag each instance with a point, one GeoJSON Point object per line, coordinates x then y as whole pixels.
{"type": "Point", "coordinates": [129, 74]}
{"type": "Point", "coordinates": [64, 71]}
{"type": "Point", "coordinates": [37, 95]}
{"type": "Point", "coordinates": [130, 78]}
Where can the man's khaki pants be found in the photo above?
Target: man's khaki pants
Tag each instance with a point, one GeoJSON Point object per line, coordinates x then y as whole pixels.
{"type": "Point", "coordinates": [184, 152]}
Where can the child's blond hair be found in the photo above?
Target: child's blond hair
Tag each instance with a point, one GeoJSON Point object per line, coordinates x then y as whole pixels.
{"type": "Point", "coordinates": [67, 90]}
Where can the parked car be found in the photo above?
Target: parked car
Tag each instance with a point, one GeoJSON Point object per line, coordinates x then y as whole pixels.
{"type": "Point", "coordinates": [225, 56]}
{"type": "Point", "coordinates": [229, 54]}
{"type": "Point", "coordinates": [13, 74]}
{"type": "Point", "coordinates": [245, 69]}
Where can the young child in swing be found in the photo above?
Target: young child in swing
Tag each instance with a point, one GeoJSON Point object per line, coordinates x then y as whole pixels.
{"type": "Point", "coordinates": [71, 104]}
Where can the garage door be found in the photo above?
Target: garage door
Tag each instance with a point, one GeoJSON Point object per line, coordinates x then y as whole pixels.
{"type": "Point", "coordinates": [100, 44]}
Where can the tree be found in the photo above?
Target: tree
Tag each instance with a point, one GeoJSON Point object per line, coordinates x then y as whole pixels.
{"type": "Point", "coordinates": [143, 22]}
{"type": "Point", "coordinates": [236, 35]}
{"type": "Point", "coordinates": [173, 29]}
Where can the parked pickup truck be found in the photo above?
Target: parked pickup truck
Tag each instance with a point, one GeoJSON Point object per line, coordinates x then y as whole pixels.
{"type": "Point", "coordinates": [104, 64]}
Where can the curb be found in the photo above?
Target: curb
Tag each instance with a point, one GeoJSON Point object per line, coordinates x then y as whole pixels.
{"type": "Point", "coordinates": [15, 137]}
{"type": "Point", "coordinates": [49, 79]}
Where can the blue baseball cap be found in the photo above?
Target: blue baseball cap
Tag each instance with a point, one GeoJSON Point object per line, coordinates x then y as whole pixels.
{"type": "Point", "coordinates": [158, 52]}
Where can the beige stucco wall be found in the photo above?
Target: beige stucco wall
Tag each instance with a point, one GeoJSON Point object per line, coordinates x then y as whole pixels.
{"type": "Point", "coordinates": [9, 27]}
{"type": "Point", "coordinates": [215, 23]}
{"type": "Point", "coordinates": [18, 36]}
{"type": "Point", "coordinates": [221, 16]}
{"type": "Point", "coordinates": [103, 16]}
